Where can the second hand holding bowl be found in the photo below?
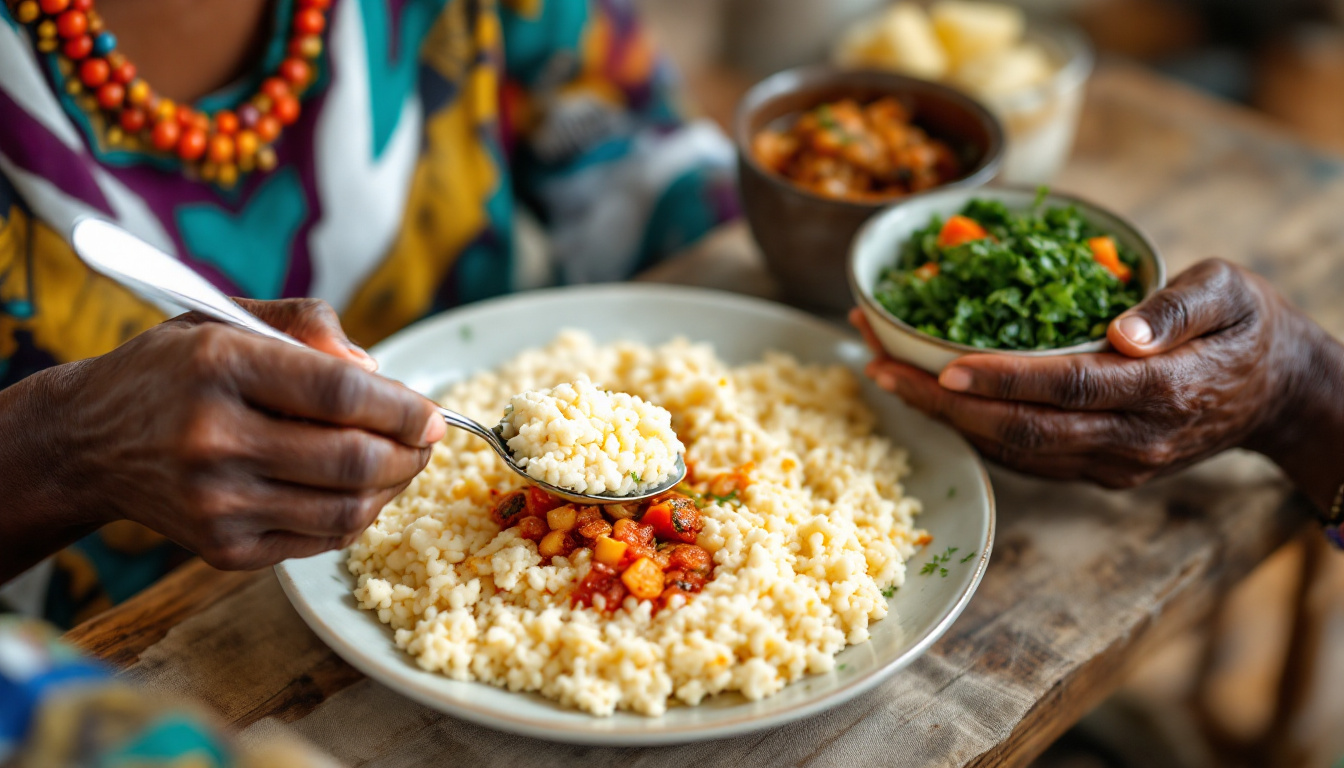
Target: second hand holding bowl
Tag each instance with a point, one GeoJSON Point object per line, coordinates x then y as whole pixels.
{"type": "Point", "coordinates": [115, 253]}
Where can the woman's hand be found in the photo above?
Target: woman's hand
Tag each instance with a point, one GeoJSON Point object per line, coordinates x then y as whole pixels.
{"type": "Point", "coordinates": [242, 449]}
{"type": "Point", "coordinates": [1216, 360]}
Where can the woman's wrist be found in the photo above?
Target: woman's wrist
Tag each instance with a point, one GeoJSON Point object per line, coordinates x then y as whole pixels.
{"type": "Point", "coordinates": [42, 508]}
{"type": "Point", "coordinates": [1304, 434]}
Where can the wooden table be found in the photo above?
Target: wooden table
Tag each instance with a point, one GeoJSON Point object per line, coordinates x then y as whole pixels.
{"type": "Point", "coordinates": [1082, 583]}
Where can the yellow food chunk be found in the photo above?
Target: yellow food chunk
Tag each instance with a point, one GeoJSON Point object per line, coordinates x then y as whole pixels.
{"type": "Point", "coordinates": [609, 551]}
{"type": "Point", "coordinates": [644, 579]}
{"type": "Point", "coordinates": [555, 544]}
{"type": "Point", "coordinates": [1005, 72]}
{"type": "Point", "coordinates": [902, 39]}
{"type": "Point", "coordinates": [562, 518]}
{"type": "Point", "coordinates": [971, 29]}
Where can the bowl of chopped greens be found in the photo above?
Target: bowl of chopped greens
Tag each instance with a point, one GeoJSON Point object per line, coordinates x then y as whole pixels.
{"type": "Point", "coordinates": [998, 270]}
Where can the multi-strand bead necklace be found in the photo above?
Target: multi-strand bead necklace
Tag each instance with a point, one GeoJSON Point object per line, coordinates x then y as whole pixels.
{"type": "Point", "coordinates": [218, 147]}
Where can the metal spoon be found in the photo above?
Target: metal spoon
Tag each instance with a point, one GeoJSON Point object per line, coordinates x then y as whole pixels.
{"type": "Point", "coordinates": [156, 276]}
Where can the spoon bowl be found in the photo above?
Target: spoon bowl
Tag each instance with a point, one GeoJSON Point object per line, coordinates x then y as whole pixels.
{"type": "Point", "coordinates": [155, 276]}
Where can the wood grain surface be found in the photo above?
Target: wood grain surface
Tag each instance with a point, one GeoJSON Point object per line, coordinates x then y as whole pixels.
{"type": "Point", "coordinates": [1082, 584]}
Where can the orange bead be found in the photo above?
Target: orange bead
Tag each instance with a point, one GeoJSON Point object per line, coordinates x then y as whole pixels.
{"type": "Point", "coordinates": [111, 95]}
{"type": "Point", "coordinates": [246, 144]}
{"type": "Point", "coordinates": [192, 144]}
{"type": "Point", "coordinates": [296, 71]}
{"type": "Point", "coordinates": [226, 122]}
{"type": "Point", "coordinates": [200, 121]}
{"type": "Point", "coordinates": [320, 5]}
{"type": "Point", "coordinates": [77, 48]}
{"type": "Point", "coordinates": [124, 73]}
{"type": "Point", "coordinates": [133, 120]}
{"type": "Point", "coordinates": [72, 24]}
{"type": "Point", "coordinates": [268, 128]}
{"type": "Point", "coordinates": [93, 72]}
{"type": "Point", "coordinates": [221, 149]}
{"type": "Point", "coordinates": [54, 7]}
{"type": "Point", "coordinates": [286, 110]}
{"type": "Point", "coordinates": [165, 135]}
{"type": "Point", "coordinates": [309, 21]}
{"type": "Point", "coordinates": [185, 115]}
{"type": "Point", "coordinates": [81, 5]}
{"type": "Point", "coordinates": [27, 12]}
{"type": "Point", "coordinates": [274, 88]}
{"type": "Point", "coordinates": [138, 92]}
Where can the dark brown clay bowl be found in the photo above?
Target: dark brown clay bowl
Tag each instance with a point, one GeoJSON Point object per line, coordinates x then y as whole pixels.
{"type": "Point", "coordinates": [805, 237]}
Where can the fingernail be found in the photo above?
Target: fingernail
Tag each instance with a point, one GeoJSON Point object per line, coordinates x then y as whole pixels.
{"type": "Point", "coordinates": [435, 429]}
{"type": "Point", "coordinates": [955, 379]}
{"type": "Point", "coordinates": [362, 358]}
{"type": "Point", "coordinates": [1136, 329]}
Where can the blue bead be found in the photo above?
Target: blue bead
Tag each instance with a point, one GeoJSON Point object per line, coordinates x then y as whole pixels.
{"type": "Point", "coordinates": [104, 43]}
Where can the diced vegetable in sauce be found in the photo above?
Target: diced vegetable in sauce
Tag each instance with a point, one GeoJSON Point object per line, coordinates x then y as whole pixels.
{"type": "Point", "coordinates": [646, 551]}
{"type": "Point", "coordinates": [847, 150]}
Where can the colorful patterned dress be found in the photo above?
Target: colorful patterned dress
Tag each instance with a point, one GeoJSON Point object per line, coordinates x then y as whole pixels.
{"type": "Point", "coordinates": [440, 137]}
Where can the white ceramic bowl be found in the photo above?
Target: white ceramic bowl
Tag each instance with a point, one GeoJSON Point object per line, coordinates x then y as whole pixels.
{"type": "Point", "coordinates": [880, 241]}
{"type": "Point", "coordinates": [946, 475]}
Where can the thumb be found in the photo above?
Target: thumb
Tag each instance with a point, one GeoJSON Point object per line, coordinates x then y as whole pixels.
{"type": "Point", "coordinates": [313, 322]}
{"type": "Point", "coordinates": [1209, 297]}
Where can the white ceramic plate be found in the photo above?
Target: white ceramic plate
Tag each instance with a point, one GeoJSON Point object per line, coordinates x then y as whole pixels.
{"type": "Point", "coordinates": [947, 475]}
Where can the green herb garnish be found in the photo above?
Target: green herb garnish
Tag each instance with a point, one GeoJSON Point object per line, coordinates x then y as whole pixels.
{"type": "Point", "coordinates": [951, 492]}
{"type": "Point", "coordinates": [936, 563]}
{"type": "Point", "coordinates": [1032, 284]}
{"type": "Point", "coordinates": [464, 332]}
{"type": "Point", "coordinates": [731, 496]}
{"type": "Point", "coordinates": [842, 667]}
{"type": "Point", "coordinates": [635, 476]}
{"type": "Point", "coordinates": [889, 592]}
{"type": "Point", "coordinates": [968, 557]}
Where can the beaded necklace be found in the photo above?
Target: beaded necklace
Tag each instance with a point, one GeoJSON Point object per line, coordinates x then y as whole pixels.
{"type": "Point", "coordinates": [217, 147]}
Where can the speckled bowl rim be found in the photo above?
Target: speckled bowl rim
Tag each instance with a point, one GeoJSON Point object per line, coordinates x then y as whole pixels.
{"type": "Point", "coordinates": [865, 299]}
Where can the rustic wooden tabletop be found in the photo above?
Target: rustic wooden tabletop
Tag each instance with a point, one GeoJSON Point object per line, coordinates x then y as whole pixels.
{"type": "Point", "coordinates": [1083, 582]}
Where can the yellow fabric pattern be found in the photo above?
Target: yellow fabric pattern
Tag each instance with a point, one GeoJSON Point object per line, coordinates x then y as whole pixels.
{"type": "Point", "coordinates": [82, 314]}
{"type": "Point", "coordinates": [445, 210]}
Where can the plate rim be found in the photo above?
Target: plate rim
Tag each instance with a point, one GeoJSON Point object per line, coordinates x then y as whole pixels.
{"type": "Point", "coordinates": [408, 679]}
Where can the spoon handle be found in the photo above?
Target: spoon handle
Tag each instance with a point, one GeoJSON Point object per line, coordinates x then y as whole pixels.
{"type": "Point", "coordinates": [115, 253]}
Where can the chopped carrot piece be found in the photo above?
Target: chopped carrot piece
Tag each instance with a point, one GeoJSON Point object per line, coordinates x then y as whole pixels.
{"type": "Point", "coordinates": [959, 230]}
{"type": "Point", "coordinates": [1108, 256]}
{"type": "Point", "coordinates": [927, 271]}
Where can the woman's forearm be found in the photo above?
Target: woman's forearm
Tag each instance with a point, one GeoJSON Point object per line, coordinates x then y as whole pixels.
{"type": "Point", "coordinates": [39, 509]}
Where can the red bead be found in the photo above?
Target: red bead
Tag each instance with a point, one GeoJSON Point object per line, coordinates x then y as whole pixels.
{"type": "Point", "coordinates": [53, 7]}
{"type": "Point", "coordinates": [320, 5]}
{"type": "Point", "coordinates": [124, 74]}
{"type": "Point", "coordinates": [78, 48]}
{"type": "Point", "coordinates": [192, 144]}
{"type": "Point", "coordinates": [81, 5]}
{"type": "Point", "coordinates": [274, 88]}
{"type": "Point", "coordinates": [72, 24]}
{"type": "Point", "coordinates": [201, 122]}
{"type": "Point", "coordinates": [309, 21]}
{"type": "Point", "coordinates": [286, 110]}
{"type": "Point", "coordinates": [133, 120]}
{"type": "Point", "coordinates": [165, 135]}
{"type": "Point", "coordinates": [111, 95]}
{"type": "Point", "coordinates": [295, 71]}
{"type": "Point", "coordinates": [226, 122]}
{"type": "Point", "coordinates": [221, 149]}
{"type": "Point", "coordinates": [185, 115]}
{"type": "Point", "coordinates": [94, 72]}
{"type": "Point", "coordinates": [268, 128]}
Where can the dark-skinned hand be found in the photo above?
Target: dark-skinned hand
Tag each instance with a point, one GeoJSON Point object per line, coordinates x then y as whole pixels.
{"type": "Point", "coordinates": [1216, 360]}
{"type": "Point", "coordinates": [242, 449]}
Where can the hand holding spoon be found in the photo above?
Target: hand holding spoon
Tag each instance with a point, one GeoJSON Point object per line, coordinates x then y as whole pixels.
{"type": "Point", "coordinates": [154, 275]}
